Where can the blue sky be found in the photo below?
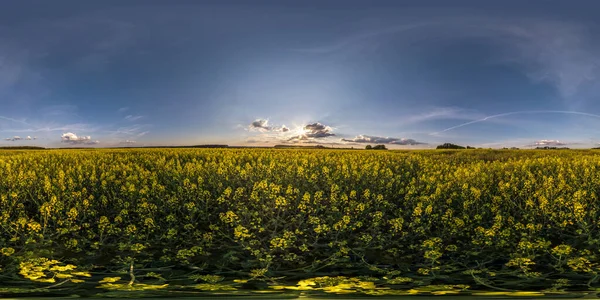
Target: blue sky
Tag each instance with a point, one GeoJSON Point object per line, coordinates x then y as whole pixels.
{"type": "Point", "coordinates": [410, 74]}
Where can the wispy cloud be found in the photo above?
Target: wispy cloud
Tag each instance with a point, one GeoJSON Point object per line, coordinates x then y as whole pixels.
{"type": "Point", "coordinates": [131, 130]}
{"type": "Point", "coordinates": [122, 109]}
{"type": "Point", "coordinates": [383, 140]}
{"type": "Point", "coordinates": [441, 113]}
{"type": "Point", "coordinates": [516, 113]}
{"type": "Point", "coordinates": [563, 53]}
{"type": "Point", "coordinates": [14, 125]}
{"type": "Point", "coordinates": [549, 143]}
{"type": "Point", "coordinates": [132, 118]}
{"type": "Point", "coordinates": [356, 39]}
{"type": "Point", "coordinates": [15, 120]}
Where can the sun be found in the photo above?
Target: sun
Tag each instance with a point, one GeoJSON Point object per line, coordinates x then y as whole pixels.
{"type": "Point", "coordinates": [299, 130]}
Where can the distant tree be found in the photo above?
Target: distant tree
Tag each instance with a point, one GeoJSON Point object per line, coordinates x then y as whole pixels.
{"type": "Point", "coordinates": [380, 147]}
{"type": "Point", "coordinates": [368, 147]}
{"type": "Point", "coordinates": [22, 148]}
{"type": "Point", "coordinates": [449, 146]}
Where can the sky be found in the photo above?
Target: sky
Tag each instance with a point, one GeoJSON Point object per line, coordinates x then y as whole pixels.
{"type": "Point", "coordinates": [407, 74]}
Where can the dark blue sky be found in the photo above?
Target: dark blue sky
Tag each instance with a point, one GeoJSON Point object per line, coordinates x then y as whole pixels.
{"type": "Point", "coordinates": [406, 73]}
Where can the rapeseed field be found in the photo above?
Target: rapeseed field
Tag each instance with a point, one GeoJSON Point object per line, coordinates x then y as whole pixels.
{"type": "Point", "coordinates": [377, 222]}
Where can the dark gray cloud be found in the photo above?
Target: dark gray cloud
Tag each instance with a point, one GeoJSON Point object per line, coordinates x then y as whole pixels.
{"type": "Point", "coordinates": [313, 131]}
{"type": "Point", "coordinates": [382, 140]}
{"type": "Point", "coordinates": [317, 130]}
{"type": "Point", "coordinates": [260, 125]}
{"type": "Point", "coordinates": [73, 139]}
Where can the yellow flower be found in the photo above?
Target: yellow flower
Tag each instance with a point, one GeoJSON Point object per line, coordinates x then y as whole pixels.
{"type": "Point", "coordinates": [7, 251]}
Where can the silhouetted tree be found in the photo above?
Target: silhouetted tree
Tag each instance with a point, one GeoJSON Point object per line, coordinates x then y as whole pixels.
{"type": "Point", "coordinates": [449, 146]}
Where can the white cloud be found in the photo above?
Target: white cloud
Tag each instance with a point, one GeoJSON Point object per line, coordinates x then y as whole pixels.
{"type": "Point", "coordinates": [262, 125]}
{"type": "Point", "coordinates": [18, 138]}
{"type": "Point", "coordinates": [549, 143]}
{"type": "Point", "coordinates": [72, 138]}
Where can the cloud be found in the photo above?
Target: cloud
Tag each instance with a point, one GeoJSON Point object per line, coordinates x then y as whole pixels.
{"type": "Point", "coordinates": [317, 130]}
{"type": "Point", "coordinates": [122, 109]}
{"type": "Point", "coordinates": [560, 52]}
{"type": "Point", "coordinates": [281, 129]}
{"type": "Point", "coordinates": [549, 143]}
{"type": "Point", "coordinates": [261, 125]}
{"type": "Point", "coordinates": [270, 133]}
{"type": "Point", "coordinates": [73, 139]}
{"type": "Point", "coordinates": [14, 120]}
{"type": "Point", "coordinates": [566, 112]}
{"type": "Point", "coordinates": [382, 140]}
{"type": "Point", "coordinates": [135, 129]}
{"type": "Point", "coordinates": [441, 113]}
{"type": "Point", "coordinates": [313, 131]}
{"type": "Point", "coordinates": [128, 142]}
{"type": "Point", "coordinates": [18, 138]}
{"type": "Point", "coordinates": [133, 118]}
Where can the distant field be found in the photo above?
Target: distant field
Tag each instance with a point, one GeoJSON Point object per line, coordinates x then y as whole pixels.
{"type": "Point", "coordinates": [436, 221]}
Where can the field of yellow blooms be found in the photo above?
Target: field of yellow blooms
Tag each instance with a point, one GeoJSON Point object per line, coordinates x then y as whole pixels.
{"type": "Point", "coordinates": [374, 222]}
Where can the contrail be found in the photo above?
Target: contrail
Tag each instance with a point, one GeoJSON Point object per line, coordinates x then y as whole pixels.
{"type": "Point", "coordinates": [14, 120]}
{"type": "Point", "coordinates": [519, 112]}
